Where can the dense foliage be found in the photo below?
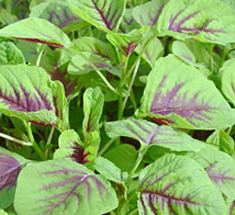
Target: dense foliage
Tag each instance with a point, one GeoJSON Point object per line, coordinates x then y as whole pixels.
{"type": "Point", "coordinates": [117, 107]}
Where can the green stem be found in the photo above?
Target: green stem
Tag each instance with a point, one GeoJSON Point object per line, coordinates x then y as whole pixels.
{"type": "Point", "coordinates": [49, 139]}
{"type": "Point", "coordinates": [133, 212]}
{"type": "Point", "coordinates": [15, 140]}
{"type": "Point", "coordinates": [32, 140]}
{"type": "Point", "coordinates": [106, 146]}
{"type": "Point", "coordinates": [39, 57]}
{"type": "Point", "coordinates": [224, 53]}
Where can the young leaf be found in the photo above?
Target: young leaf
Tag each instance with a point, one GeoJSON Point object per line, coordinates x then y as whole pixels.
{"type": "Point", "coordinates": [228, 80]}
{"type": "Point", "coordinates": [71, 146]}
{"type": "Point", "coordinates": [36, 99]}
{"type": "Point", "coordinates": [128, 23]}
{"type": "Point", "coordinates": [185, 19]}
{"type": "Point", "coordinates": [36, 30]}
{"type": "Point", "coordinates": [9, 53]}
{"type": "Point", "coordinates": [103, 14]}
{"type": "Point", "coordinates": [58, 13]}
{"type": "Point", "coordinates": [10, 166]}
{"type": "Point", "coordinates": [148, 133]}
{"type": "Point", "coordinates": [178, 185]}
{"type": "Point", "coordinates": [62, 187]}
{"type": "Point", "coordinates": [190, 101]}
{"type": "Point", "coordinates": [148, 13]}
{"type": "Point", "coordinates": [219, 166]}
{"type": "Point", "coordinates": [93, 101]}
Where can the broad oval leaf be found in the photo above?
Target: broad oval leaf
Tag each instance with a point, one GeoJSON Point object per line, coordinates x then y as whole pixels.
{"type": "Point", "coordinates": [38, 31]}
{"type": "Point", "coordinates": [195, 18]}
{"type": "Point", "coordinates": [63, 187]}
{"type": "Point", "coordinates": [178, 185]}
{"type": "Point", "coordinates": [148, 134]}
{"type": "Point", "coordinates": [58, 13]}
{"type": "Point", "coordinates": [10, 166]}
{"type": "Point", "coordinates": [219, 166]}
{"type": "Point", "coordinates": [26, 92]}
{"type": "Point", "coordinates": [180, 95]}
{"type": "Point", "coordinates": [9, 53]}
{"type": "Point", "coordinates": [103, 14]}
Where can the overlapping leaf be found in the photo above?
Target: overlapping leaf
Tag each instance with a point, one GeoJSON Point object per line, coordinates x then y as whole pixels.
{"type": "Point", "coordinates": [180, 95]}
{"type": "Point", "coordinates": [58, 13]}
{"type": "Point", "coordinates": [26, 92]}
{"type": "Point", "coordinates": [103, 14]}
{"type": "Point", "coordinates": [10, 166]}
{"type": "Point", "coordinates": [128, 23]}
{"type": "Point", "coordinates": [148, 133]}
{"type": "Point", "coordinates": [9, 53]}
{"type": "Point", "coordinates": [62, 187]}
{"type": "Point", "coordinates": [36, 30]}
{"type": "Point", "coordinates": [219, 166]}
{"type": "Point", "coordinates": [178, 185]}
{"type": "Point", "coordinates": [196, 18]}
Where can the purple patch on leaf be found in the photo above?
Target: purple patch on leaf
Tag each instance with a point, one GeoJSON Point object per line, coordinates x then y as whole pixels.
{"type": "Point", "coordinates": [178, 103]}
{"type": "Point", "coordinates": [40, 41]}
{"type": "Point", "coordinates": [78, 153]}
{"type": "Point", "coordinates": [25, 102]}
{"type": "Point", "coordinates": [129, 49]}
{"type": "Point", "coordinates": [231, 210]}
{"type": "Point", "coordinates": [9, 171]}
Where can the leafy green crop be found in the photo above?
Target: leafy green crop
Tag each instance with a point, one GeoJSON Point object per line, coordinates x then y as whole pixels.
{"type": "Point", "coordinates": [117, 107]}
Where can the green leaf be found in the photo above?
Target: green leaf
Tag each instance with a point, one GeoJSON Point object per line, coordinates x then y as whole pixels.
{"type": "Point", "coordinates": [38, 31]}
{"type": "Point", "coordinates": [123, 156]}
{"type": "Point", "coordinates": [27, 93]}
{"type": "Point", "coordinates": [196, 19]}
{"type": "Point", "coordinates": [104, 15]}
{"type": "Point", "coordinates": [178, 185]}
{"type": "Point", "coordinates": [10, 166]}
{"type": "Point", "coordinates": [71, 146]}
{"type": "Point", "coordinates": [6, 17]}
{"type": "Point", "coordinates": [148, 134]}
{"type": "Point", "coordinates": [62, 187]}
{"type": "Point", "coordinates": [93, 100]}
{"type": "Point", "coordinates": [219, 166]}
{"type": "Point", "coordinates": [9, 53]}
{"type": "Point", "coordinates": [228, 80]}
{"type": "Point", "coordinates": [2, 212]}
{"type": "Point", "coordinates": [58, 13]}
{"type": "Point", "coordinates": [191, 101]}
{"type": "Point", "coordinates": [222, 140]}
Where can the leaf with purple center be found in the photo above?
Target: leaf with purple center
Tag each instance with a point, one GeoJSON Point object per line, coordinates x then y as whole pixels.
{"type": "Point", "coordinates": [58, 13]}
{"type": "Point", "coordinates": [179, 95]}
{"type": "Point", "coordinates": [71, 146]}
{"type": "Point", "coordinates": [178, 185]}
{"type": "Point", "coordinates": [63, 187]}
{"type": "Point", "coordinates": [228, 80]}
{"type": "Point", "coordinates": [36, 99]}
{"type": "Point", "coordinates": [195, 18]}
{"type": "Point", "coordinates": [103, 14]}
{"type": "Point", "coordinates": [127, 43]}
{"type": "Point", "coordinates": [9, 53]}
{"type": "Point", "coordinates": [148, 134]}
{"type": "Point", "coordinates": [149, 12]}
{"type": "Point", "coordinates": [219, 166]}
{"type": "Point", "coordinates": [36, 30]}
{"type": "Point", "coordinates": [10, 166]}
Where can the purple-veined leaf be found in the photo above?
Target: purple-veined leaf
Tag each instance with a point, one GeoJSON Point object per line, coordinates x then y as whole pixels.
{"type": "Point", "coordinates": [128, 23]}
{"type": "Point", "coordinates": [26, 92]}
{"type": "Point", "coordinates": [195, 18]}
{"type": "Point", "coordinates": [148, 13]}
{"type": "Point", "coordinates": [231, 207]}
{"type": "Point", "coordinates": [9, 53]}
{"type": "Point", "coordinates": [180, 95]}
{"type": "Point", "coordinates": [103, 14]}
{"type": "Point", "coordinates": [63, 187]}
{"type": "Point", "coordinates": [127, 43]}
{"type": "Point", "coordinates": [58, 13]}
{"type": "Point", "coordinates": [228, 80]}
{"type": "Point", "coordinates": [93, 100]}
{"type": "Point", "coordinates": [79, 66]}
{"type": "Point", "coordinates": [219, 166]}
{"type": "Point", "coordinates": [10, 166]}
{"type": "Point", "coordinates": [178, 185]}
{"type": "Point", "coordinates": [71, 146]}
{"type": "Point", "coordinates": [222, 140]}
{"type": "Point", "coordinates": [38, 31]}
{"type": "Point", "coordinates": [148, 134]}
